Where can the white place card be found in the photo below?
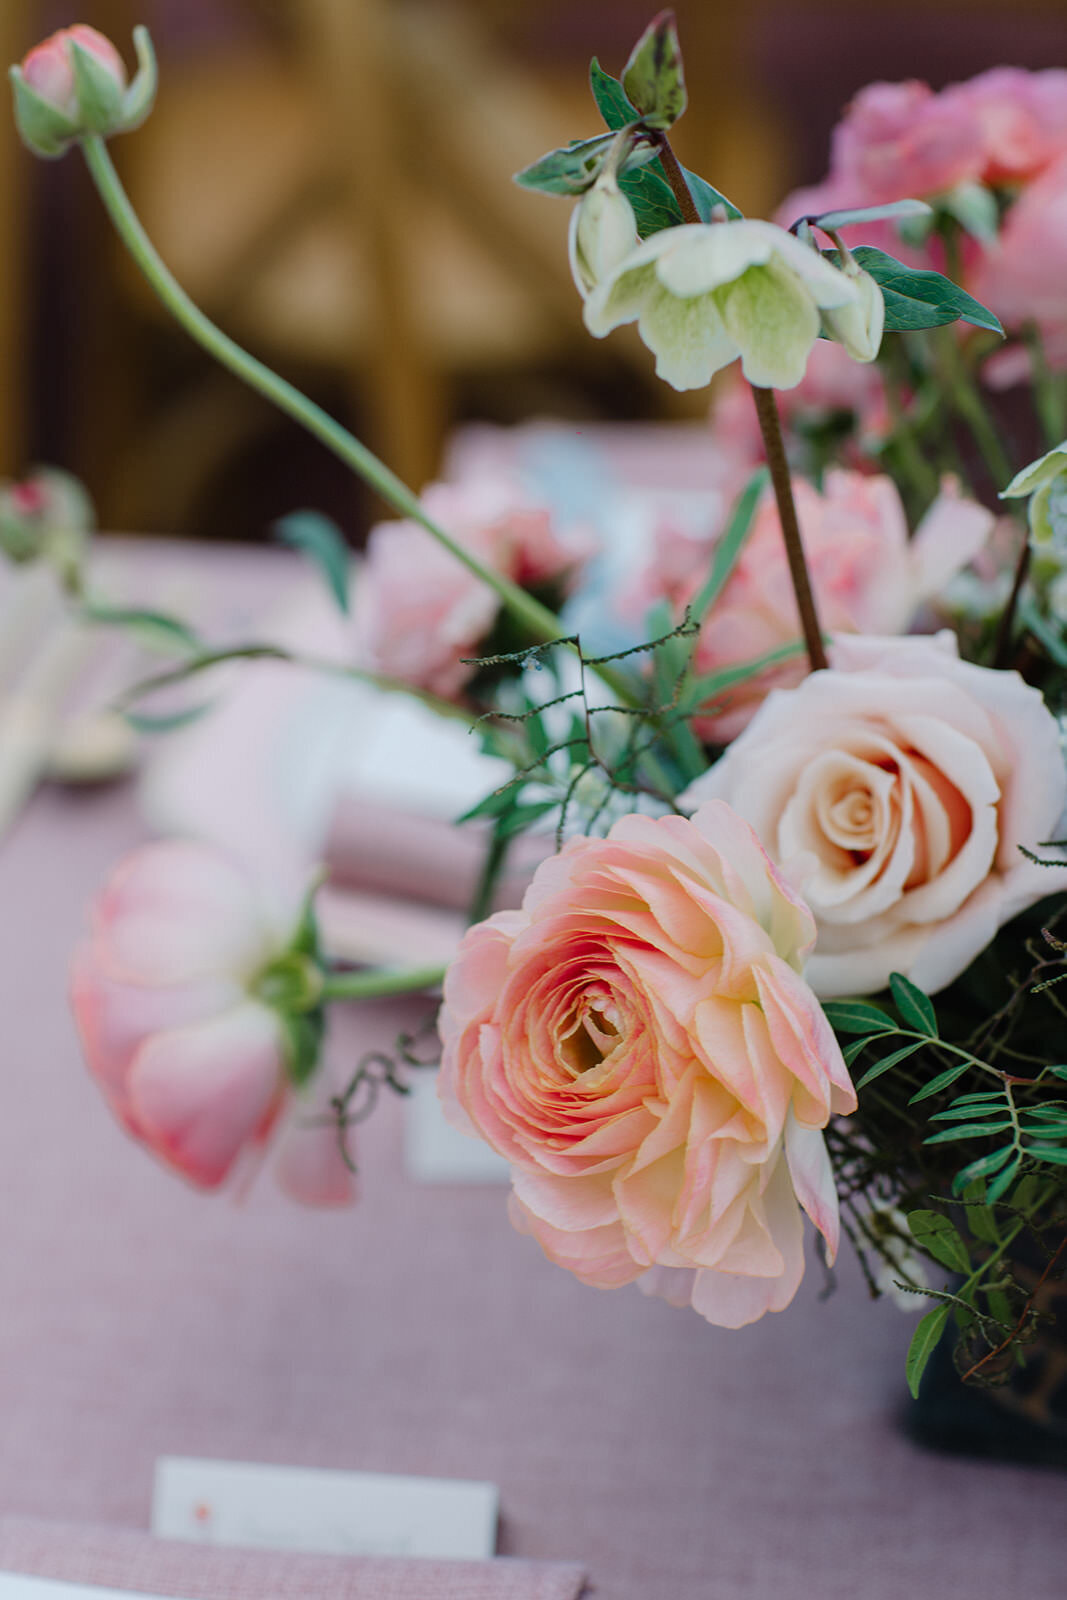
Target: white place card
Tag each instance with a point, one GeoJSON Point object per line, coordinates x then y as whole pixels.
{"type": "Point", "coordinates": [17, 1586]}
{"type": "Point", "coordinates": [322, 1513]}
{"type": "Point", "coordinates": [434, 1151]}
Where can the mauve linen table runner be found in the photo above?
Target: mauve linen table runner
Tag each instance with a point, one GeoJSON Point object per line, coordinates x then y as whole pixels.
{"type": "Point", "coordinates": [418, 1334]}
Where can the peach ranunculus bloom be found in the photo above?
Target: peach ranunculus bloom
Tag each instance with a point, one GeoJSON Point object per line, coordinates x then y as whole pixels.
{"type": "Point", "coordinates": [184, 1031]}
{"type": "Point", "coordinates": [420, 615]}
{"type": "Point", "coordinates": [896, 789]}
{"type": "Point", "coordinates": [867, 575]}
{"type": "Point", "coordinates": [639, 1044]}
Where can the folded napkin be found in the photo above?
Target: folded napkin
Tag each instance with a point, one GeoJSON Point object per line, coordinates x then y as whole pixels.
{"type": "Point", "coordinates": [118, 1558]}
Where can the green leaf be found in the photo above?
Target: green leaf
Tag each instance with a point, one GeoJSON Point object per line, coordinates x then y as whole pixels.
{"type": "Point", "coordinates": [914, 1006]}
{"type": "Point", "coordinates": [1054, 1153]}
{"type": "Point", "coordinates": [653, 79]}
{"type": "Point", "coordinates": [700, 690]}
{"type": "Point", "coordinates": [974, 207]}
{"type": "Point", "coordinates": [918, 298]}
{"type": "Point", "coordinates": [1004, 1180]}
{"type": "Point", "coordinates": [960, 1112]}
{"type": "Point", "coordinates": [729, 547]}
{"type": "Point", "coordinates": [522, 816]}
{"type": "Point", "coordinates": [856, 1048]}
{"type": "Point", "coordinates": [891, 212]}
{"type": "Point", "coordinates": [610, 97]}
{"type": "Point", "coordinates": [706, 198]}
{"type": "Point", "coordinates": [146, 722]}
{"type": "Point", "coordinates": [856, 1016]}
{"type": "Point", "coordinates": [322, 541]}
{"type": "Point", "coordinates": [494, 805]}
{"type": "Point", "coordinates": [969, 1130]}
{"type": "Point", "coordinates": [155, 630]}
{"type": "Point", "coordinates": [570, 170]}
{"type": "Point", "coordinates": [980, 1219]}
{"type": "Point", "coordinates": [924, 1341]}
{"type": "Point", "coordinates": [1044, 632]}
{"type": "Point", "coordinates": [940, 1237]}
{"type": "Point", "coordinates": [652, 199]}
{"type": "Point", "coordinates": [889, 1061]}
{"type": "Point", "coordinates": [942, 1081]}
{"type": "Point", "coordinates": [984, 1167]}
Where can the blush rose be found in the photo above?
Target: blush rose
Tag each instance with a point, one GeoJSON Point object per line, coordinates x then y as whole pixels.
{"type": "Point", "coordinates": [638, 1042]}
{"type": "Point", "coordinates": [896, 789]}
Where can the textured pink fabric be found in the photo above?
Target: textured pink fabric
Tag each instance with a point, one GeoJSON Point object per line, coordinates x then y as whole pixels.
{"type": "Point", "coordinates": [418, 1334]}
{"type": "Point", "coordinates": [116, 1558]}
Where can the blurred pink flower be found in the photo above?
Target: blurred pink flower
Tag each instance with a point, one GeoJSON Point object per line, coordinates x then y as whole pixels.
{"type": "Point", "coordinates": [419, 612]}
{"type": "Point", "coordinates": [192, 1059]}
{"type": "Point", "coordinates": [638, 1042]}
{"type": "Point", "coordinates": [868, 577]}
{"type": "Point", "coordinates": [1023, 277]}
{"type": "Point", "coordinates": [900, 140]}
{"type": "Point", "coordinates": [833, 383]}
{"type": "Point", "coordinates": [48, 71]}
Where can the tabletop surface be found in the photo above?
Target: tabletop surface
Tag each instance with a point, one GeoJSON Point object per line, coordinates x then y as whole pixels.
{"type": "Point", "coordinates": [418, 1334]}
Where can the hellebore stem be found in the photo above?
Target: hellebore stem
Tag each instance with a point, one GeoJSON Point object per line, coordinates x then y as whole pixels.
{"type": "Point", "coordinates": [771, 429]}
{"type": "Point", "coordinates": [676, 178]}
{"type": "Point", "coordinates": [373, 985]}
{"type": "Point", "coordinates": [774, 448]}
{"type": "Point", "coordinates": [543, 625]}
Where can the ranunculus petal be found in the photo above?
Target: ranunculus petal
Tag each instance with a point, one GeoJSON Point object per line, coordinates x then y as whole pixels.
{"type": "Point", "coordinates": [201, 1092]}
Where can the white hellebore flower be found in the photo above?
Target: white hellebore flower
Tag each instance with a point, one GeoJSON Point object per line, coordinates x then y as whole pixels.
{"type": "Point", "coordinates": [603, 232]}
{"type": "Point", "coordinates": [1045, 481]}
{"type": "Point", "coordinates": [705, 293]}
{"type": "Point", "coordinates": [859, 327]}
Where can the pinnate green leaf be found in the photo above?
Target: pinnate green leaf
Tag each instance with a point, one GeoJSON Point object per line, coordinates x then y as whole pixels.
{"type": "Point", "coordinates": [914, 1006]}
{"type": "Point", "coordinates": [889, 1061]}
{"type": "Point", "coordinates": [939, 1236]}
{"type": "Point", "coordinates": [856, 1016]}
{"type": "Point", "coordinates": [919, 298]}
{"type": "Point", "coordinates": [924, 1341]}
{"type": "Point", "coordinates": [322, 541]}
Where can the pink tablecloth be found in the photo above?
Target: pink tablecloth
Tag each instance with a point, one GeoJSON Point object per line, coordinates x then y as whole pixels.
{"type": "Point", "coordinates": [419, 1334]}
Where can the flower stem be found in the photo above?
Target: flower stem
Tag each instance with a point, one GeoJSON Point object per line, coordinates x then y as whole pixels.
{"type": "Point", "coordinates": [967, 402]}
{"type": "Point", "coordinates": [771, 428]}
{"type": "Point", "coordinates": [376, 984]}
{"type": "Point", "coordinates": [542, 624]}
{"type": "Point", "coordinates": [676, 178]}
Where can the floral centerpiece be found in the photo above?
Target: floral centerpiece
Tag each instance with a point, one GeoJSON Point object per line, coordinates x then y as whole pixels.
{"type": "Point", "coordinates": [795, 943]}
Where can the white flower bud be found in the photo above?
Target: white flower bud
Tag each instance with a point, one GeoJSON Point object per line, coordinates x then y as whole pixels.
{"type": "Point", "coordinates": [603, 232]}
{"type": "Point", "coordinates": [859, 326]}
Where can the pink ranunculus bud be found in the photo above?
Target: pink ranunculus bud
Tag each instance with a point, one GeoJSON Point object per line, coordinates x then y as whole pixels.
{"type": "Point", "coordinates": [184, 996]}
{"type": "Point", "coordinates": [49, 71]}
{"type": "Point", "coordinates": [75, 85]}
{"type": "Point", "coordinates": [639, 1043]}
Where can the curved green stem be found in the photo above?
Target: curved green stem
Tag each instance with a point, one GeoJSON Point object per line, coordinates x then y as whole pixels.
{"type": "Point", "coordinates": [541, 623]}
{"type": "Point", "coordinates": [374, 985]}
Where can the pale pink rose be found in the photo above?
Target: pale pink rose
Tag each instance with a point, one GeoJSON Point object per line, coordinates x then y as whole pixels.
{"type": "Point", "coordinates": [901, 139]}
{"type": "Point", "coordinates": [48, 70]}
{"type": "Point", "coordinates": [420, 615]}
{"type": "Point", "coordinates": [896, 789]}
{"type": "Point", "coordinates": [1022, 119]}
{"type": "Point", "coordinates": [638, 1043]}
{"type": "Point", "coordinates": [1023, 277]}
{"type": "Point", "coordinates": [190, 1056]}
{"type": "Point", "coordinates": [868, 577]}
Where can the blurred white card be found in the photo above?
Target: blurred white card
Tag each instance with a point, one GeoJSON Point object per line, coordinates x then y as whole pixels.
{"type": "Point", "coordinates": [322, 1513]}
{"type": "Point", "coordinates": [434, 1151]}
{"type": "Point", "coordinates": [17, 1586]}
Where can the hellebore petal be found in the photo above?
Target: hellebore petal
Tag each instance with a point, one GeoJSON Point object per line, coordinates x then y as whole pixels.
{"type": "Point", "coordinates": [859, 327]}
{"type": "Point", "coordinates": [704, 294]}
{"type": "Point", "coordinates": [603, 232]}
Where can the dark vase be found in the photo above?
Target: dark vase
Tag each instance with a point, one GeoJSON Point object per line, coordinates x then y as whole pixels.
{"type": "Point", "coordinates": [1023, 1419]}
